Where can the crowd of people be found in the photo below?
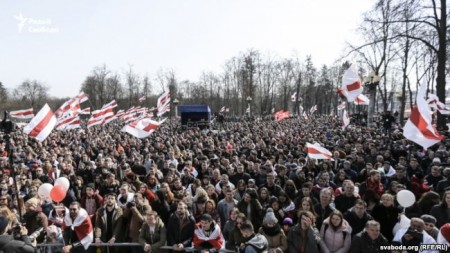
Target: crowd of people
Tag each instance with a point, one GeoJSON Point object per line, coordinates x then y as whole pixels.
{"type": "Point", "coordinates": [245, 186]}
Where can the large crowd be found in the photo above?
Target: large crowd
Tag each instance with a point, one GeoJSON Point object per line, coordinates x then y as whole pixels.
{"type": "Point", "coordinates": [244, 186]}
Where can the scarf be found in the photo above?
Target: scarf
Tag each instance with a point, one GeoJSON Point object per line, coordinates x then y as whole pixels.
{"type": "Point", "coordinates": [272, 231]}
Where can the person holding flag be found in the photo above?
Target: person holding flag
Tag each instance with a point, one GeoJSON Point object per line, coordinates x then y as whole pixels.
{"type": "Point", "coordinates": [77, 230]}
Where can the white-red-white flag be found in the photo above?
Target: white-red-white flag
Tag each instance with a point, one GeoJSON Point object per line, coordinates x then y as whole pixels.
{"type": "Point", "coordinates": [141, 128]}
{"type": "Point", "coordinates": [315, 151]}
{"type": "Point", "coordinates": [82, 226]}
{"type": "Point", "coordinates": [82, 97]}
{"type": "Point", "coordinates": [341, 106]}
{"type": "Point", "coordinates": [42, 124]}
{"type": "Point", "coordinates": [111, 104]}
{"type": "Point", "coordinates": [94, 121]}
{"type": "Point", "coordinates": [361, 99]}
{"type": "Point", "coordinates": [351, 84]}
{"type": "Point", "coordinates": [163, 100]}
{"type": "Point", "coordinates": [434, 102]}
{"type": "Point", "coordinates": [312, 110]}
{"type": "Point", "coordinates": [86, 111]}
{"type": "Point", "coordinates": [22, 114]}
{"type": "Point", "coordinates": [419, 128]}
{"type": "Point", "coordinates": [163, 109]}
{"type": "Point", "coordinates": [305, 116]}
{"type": "Point", "coordinates": [141, 99]}
{"type": "Point", "coordinates": [294, 97]}
{"type": "Point", "coordinates": [345, 119]}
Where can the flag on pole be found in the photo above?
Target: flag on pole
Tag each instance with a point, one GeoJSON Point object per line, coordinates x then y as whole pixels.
{"type": "Point", "coordinates": [305, 116]}
{"type": "Point", "coordinates": [141, 99]}
{"type": "Point", "coordinates": [315, 151]}
{"type": "Point", "coordinates": [351, 84]}
{"type": "Point", "coordinates": [222, 109]}
{"type": "Point", "coordinates": [294, 97]}
{"type": "Point", "coordinates": [142, 128]}
{"type": "Point", "coordinates": [22, 114]}
{"type": "Point", "coordinates": [361, 99]}
{"type": "Point", "coordinates": [419, 128]}
{"type": "Point", "coordinates": [345, 119]}
{"type": "Point", "coordinates": [434, 102]}
{"type": "Point", "coordinates": [42, 124]}
{"type": "Point", "coordinates": [163, 100]}
{"type": "Point", "coordinates": [86, 111]}
{"type": "Point", "coordinates": [312, 110]}
{"type": "Point", "coordinates": [341, 106]}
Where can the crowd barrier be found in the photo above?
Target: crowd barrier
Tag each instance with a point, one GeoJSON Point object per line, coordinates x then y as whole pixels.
{"type": "Point", "coordinates": [43, 246]}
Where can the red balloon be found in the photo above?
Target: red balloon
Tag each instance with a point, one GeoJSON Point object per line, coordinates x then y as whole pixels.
{"type": "Point", "coordinates": [58, 193]}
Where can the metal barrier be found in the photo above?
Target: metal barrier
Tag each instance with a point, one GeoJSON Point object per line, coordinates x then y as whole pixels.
{"type": "Point", "coordinates": [128, 244]}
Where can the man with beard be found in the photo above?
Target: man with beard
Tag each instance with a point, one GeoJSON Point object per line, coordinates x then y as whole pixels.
{"type": "Point", "coordinates": [34, 220]}
{"type": "Point", "coordinates": [108, 224]}
{"type": "Point", "coordinates": [180, 228]}
{"type": "Point", "coordinates": [372, 183]}
{"type": "Point", "coordinates": [77, 230]}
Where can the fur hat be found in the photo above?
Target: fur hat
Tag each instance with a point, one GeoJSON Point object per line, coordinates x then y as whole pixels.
{"type": "Point", "coordinates": [269, 217]}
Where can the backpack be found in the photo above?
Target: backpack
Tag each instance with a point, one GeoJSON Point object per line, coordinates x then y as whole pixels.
{"type": "Point", "coordinates": [344, 234]}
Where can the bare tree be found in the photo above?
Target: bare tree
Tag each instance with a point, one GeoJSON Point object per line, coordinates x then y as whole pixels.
{"type": "Point", "coordinates": [33, 92]}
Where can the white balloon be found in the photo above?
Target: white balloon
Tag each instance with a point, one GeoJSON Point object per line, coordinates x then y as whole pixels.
{"type": "Point", "coordinates": [64, 182]}
{"type": "Point", "coordinates": [406, 198]}
{"type": "Point", "coordinates": [44, 191]}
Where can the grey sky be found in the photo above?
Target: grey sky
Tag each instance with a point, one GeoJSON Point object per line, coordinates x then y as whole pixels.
{"type": "Point", "coordinates": [62, 41]}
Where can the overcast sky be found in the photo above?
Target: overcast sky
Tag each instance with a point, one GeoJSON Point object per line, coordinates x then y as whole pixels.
{"type": "Point", "coordinates": [59, 42]}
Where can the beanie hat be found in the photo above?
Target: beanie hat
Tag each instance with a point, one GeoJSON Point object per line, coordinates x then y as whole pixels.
{"type": "Point", "coordinates": [288, 221]}
{"type": "Point", "coordinates": [445, 231]}
{"type": "Point", "coordinates": [428, 219]}
{"type": "Point", "coordinates": [269, 217]}
{"type": "Point", "coordinates": [3, 223]}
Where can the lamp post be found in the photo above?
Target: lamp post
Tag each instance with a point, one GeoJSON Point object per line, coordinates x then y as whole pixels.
{"type": "Point", "coordinates": [175, 104]}
{"type": "Point", "coordinates": [371, 82]}
{"type": "Point", "coordinates": [249, 101]}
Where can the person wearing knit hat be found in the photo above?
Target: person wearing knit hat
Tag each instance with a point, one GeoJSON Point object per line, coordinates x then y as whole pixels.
{"type": "Point", "coordinates": [272, 231]}
{"type": "Point", "coordinates": [270, 218]}
{"type": "Point", "coordinates": [9, 244]}
{"type": "Point", "coordinates": [287, 224]}
{"type": "Point", "coordinates": [430, 225]}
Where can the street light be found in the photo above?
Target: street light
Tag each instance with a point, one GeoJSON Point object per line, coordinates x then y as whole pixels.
{"type": "Point", "coordinates": [175, 104]}
{"type": "Point", "coordinates": [371, 82]}
{"type": "Point", "coordinates": [249, 101]}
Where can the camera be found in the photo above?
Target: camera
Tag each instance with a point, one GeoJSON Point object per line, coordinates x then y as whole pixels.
{"type": "Point", "coordinates": [131, 204]}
